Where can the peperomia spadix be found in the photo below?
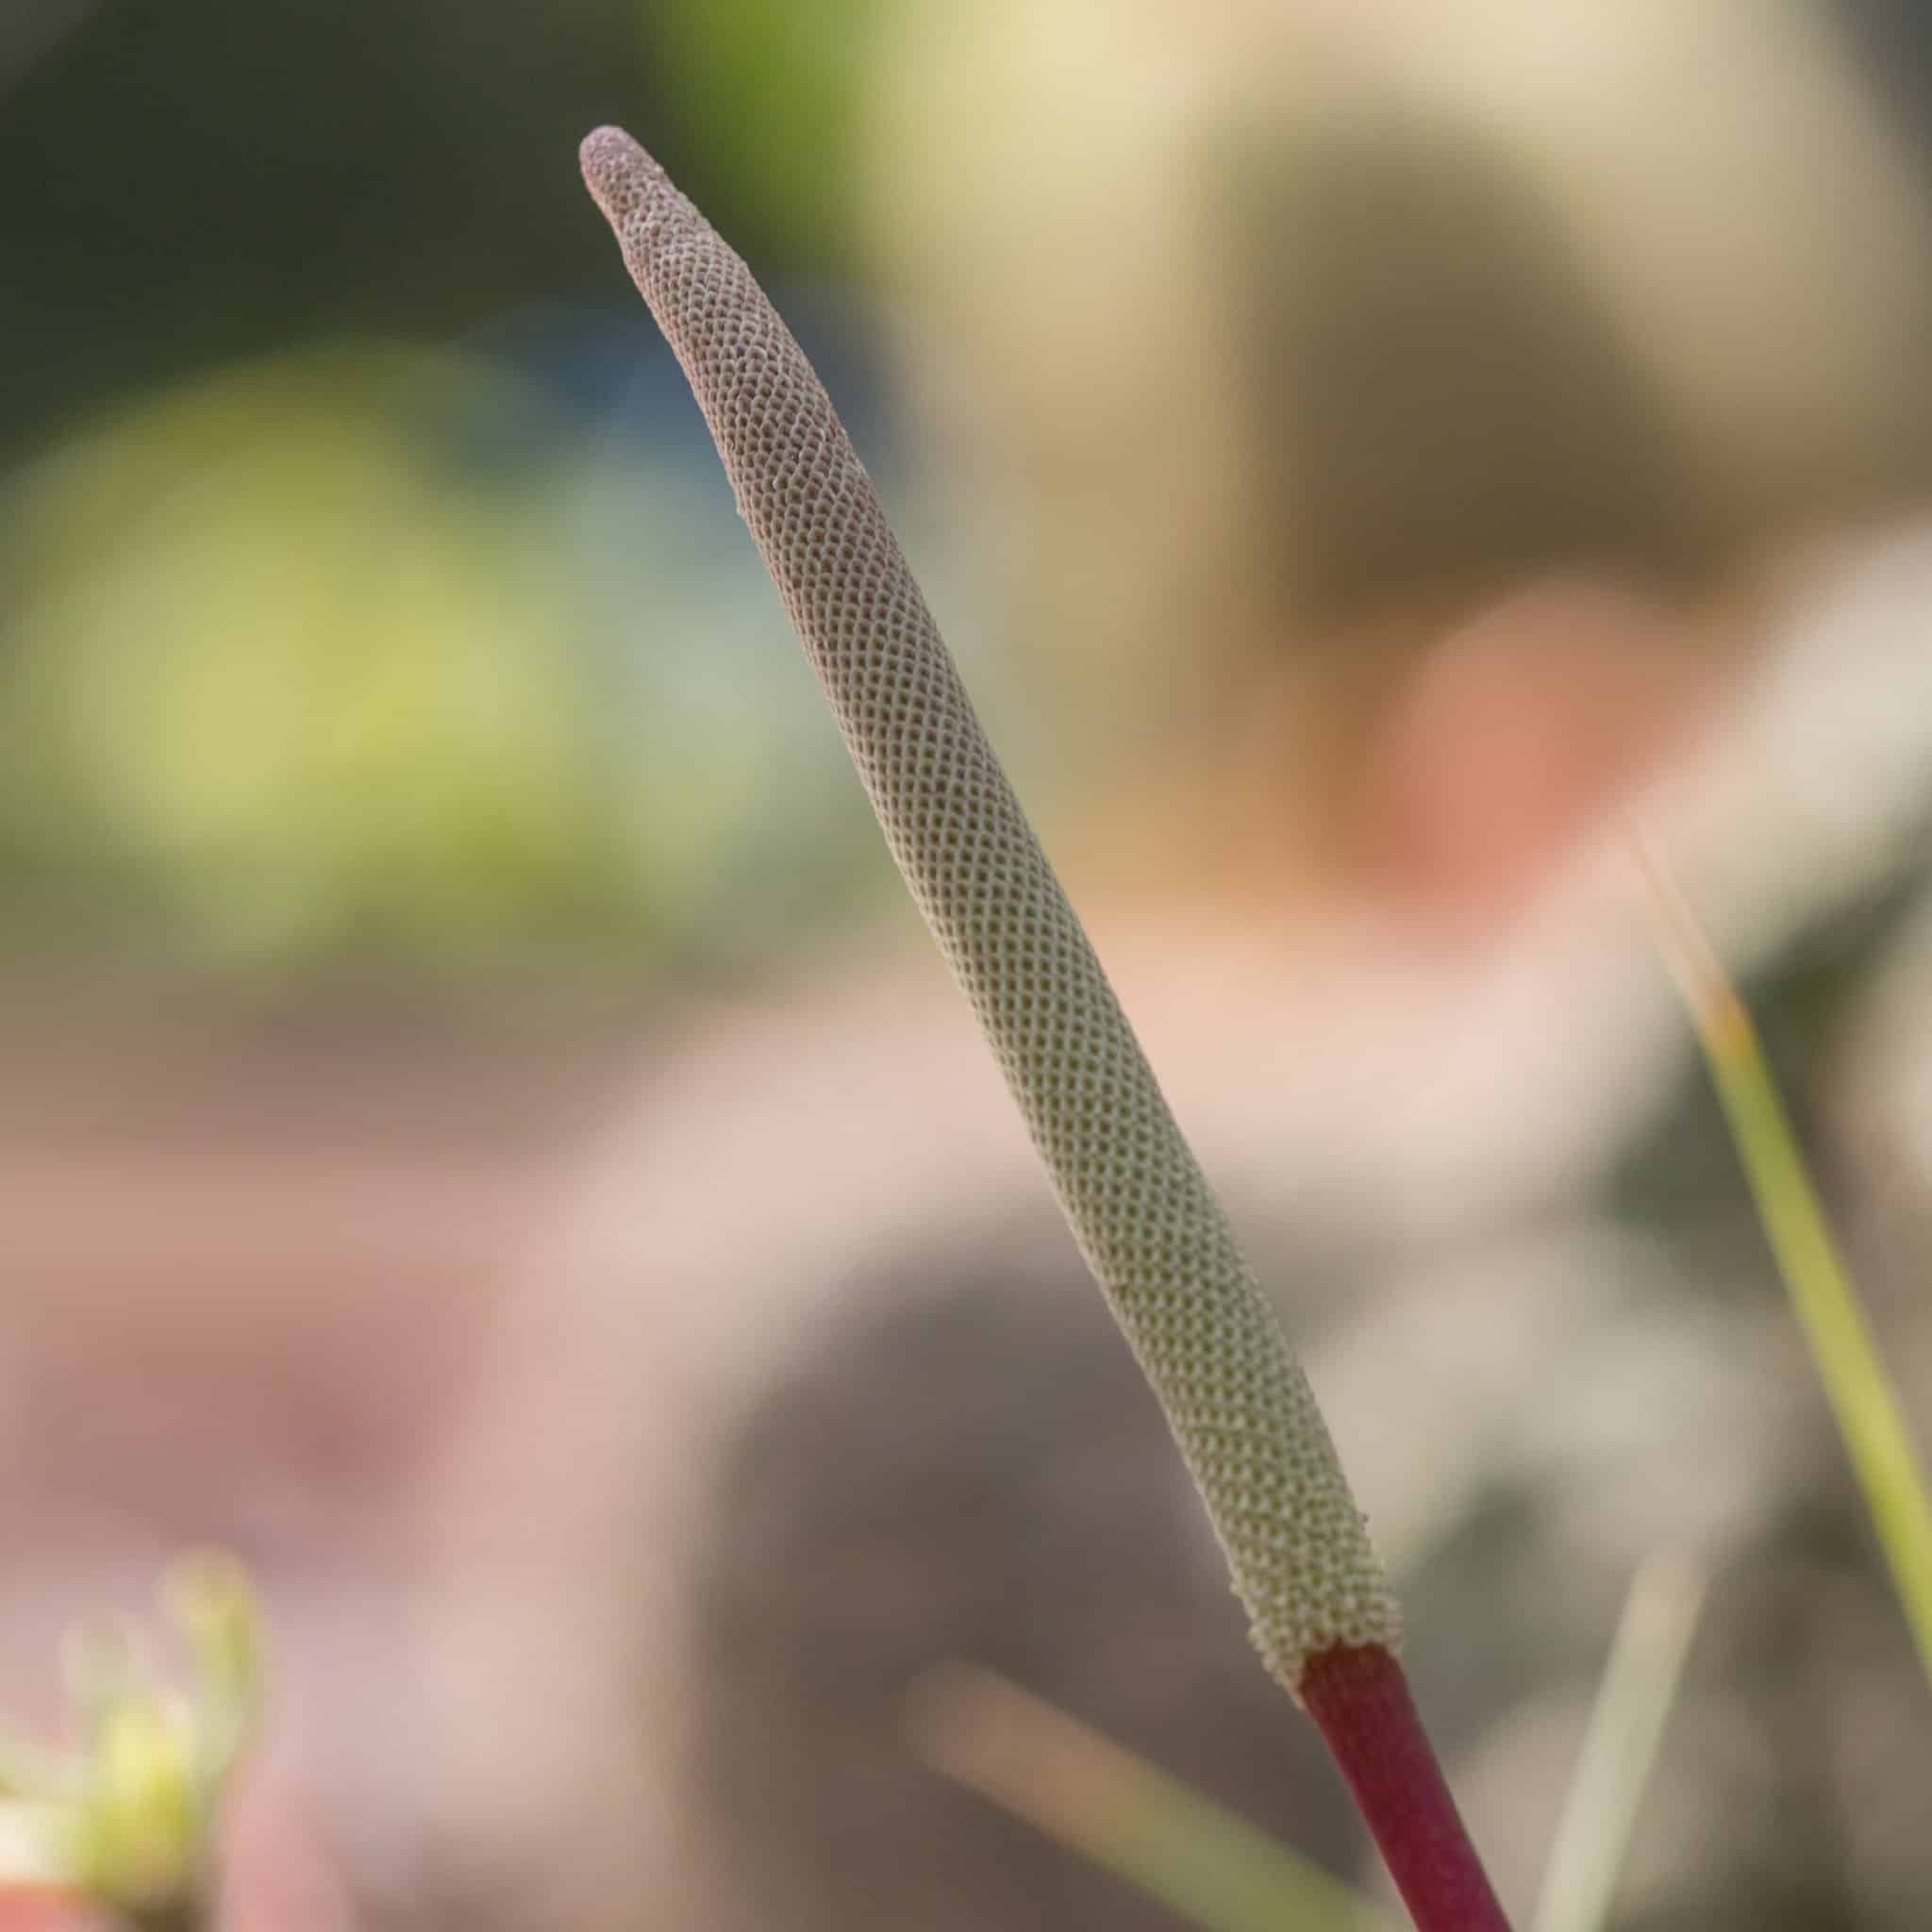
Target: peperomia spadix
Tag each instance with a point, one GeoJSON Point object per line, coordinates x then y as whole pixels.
{"type": "Point", "coordinates": [1318, 1602]}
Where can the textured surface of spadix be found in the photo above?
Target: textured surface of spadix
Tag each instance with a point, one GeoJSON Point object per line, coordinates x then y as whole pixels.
{"type": "Point", "coordinates": [1143, 1216]}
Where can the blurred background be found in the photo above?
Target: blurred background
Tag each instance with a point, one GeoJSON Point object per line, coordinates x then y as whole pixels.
{"type": "Point", "coordinates": [483, 1135]}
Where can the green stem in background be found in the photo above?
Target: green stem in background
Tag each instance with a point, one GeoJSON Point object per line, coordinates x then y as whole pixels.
{"type": "Point", "coordinates": [1626, 1726]}
{"type": "Point", "coordinates": [1863, 1397]}
{"type": "Point", "coordinates": [1075, 1786]}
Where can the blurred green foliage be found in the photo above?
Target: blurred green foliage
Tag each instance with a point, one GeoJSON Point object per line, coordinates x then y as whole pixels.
{"type": "Point", "coordinates": [264, 658]}
{"type": "Point", "coordinates": [188, 183]}
{"type": "Point", "coordinates": [769, 97]}
{"type": "Point", "coordinates": [365, 655]}
{"type": "Point", "coordinates": [325, 646]}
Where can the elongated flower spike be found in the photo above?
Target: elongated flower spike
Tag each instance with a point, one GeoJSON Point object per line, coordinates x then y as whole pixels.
{"type": "Point", "coordinates": [1319, 1605]}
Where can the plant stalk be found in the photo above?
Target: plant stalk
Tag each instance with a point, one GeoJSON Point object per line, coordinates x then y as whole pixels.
{"type": "Point", "coordinates": [1139, 1208]}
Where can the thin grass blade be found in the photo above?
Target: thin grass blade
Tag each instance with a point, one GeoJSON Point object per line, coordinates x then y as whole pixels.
{"type": "Point", "coordinates": [1075, 1786]}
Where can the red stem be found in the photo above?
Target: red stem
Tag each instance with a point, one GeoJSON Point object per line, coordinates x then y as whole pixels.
{"type": "Point", "coordinates": [1359, 1698]}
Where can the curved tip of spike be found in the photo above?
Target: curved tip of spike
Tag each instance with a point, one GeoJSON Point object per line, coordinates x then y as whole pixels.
{"type": "Point", "coordinates": [621, 176]}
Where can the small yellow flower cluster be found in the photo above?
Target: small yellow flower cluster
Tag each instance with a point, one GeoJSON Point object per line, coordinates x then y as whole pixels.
{"type": "Point", "coordinates": [128, 1819]}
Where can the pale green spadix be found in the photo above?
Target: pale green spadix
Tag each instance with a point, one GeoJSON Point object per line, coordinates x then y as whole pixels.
{"type": "Point", "coordinates": [1143, 1215]}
